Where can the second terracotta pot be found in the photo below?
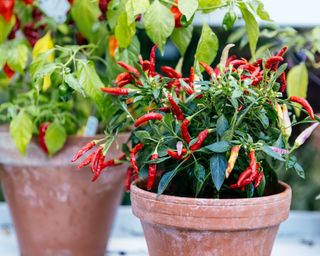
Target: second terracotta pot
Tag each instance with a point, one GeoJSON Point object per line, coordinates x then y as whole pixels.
{"type": "Point", "coordinates": [178, 226]}
{"type": "Point", "coordinates": [57, 210]}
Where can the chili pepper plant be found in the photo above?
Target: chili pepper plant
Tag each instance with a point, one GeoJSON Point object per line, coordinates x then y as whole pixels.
{"type": "Point", "coordinates": [214, 138]}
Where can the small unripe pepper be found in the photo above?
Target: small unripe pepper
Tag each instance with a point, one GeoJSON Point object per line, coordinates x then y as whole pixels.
{"type": "Point", "coordinates": [304, 103]}
{"type": "Point", "coordinates": [147, 117]}
{"type": "Point", "coordinates": [201, 137]}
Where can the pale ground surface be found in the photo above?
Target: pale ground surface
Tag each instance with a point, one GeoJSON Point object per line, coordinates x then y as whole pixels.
{"type": "Point", "coordinates": [298, 236]}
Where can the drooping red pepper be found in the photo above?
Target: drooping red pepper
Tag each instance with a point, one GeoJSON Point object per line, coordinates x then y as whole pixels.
{"type": "Point", "coordinates": [103, 6]}
{"type": "Point", "coordinates": [201, 137]}
{"type": "Point", "coordinates": [6, 9]}
{"type": "Point", "coordinates": [128, 178]}
{"type": "Point", "coordinates": [83, 150]}
{"type": "Point", "coordinates": [152, 171]}
{"type": "Point", "coordinates": [177, 14]}
{"type": "Point", "coordinates": [191, 77]}
{"type": "Point", "coordinates": [165, 109]}
{"type": "Point", "coordinates": [122, 79]}
{"type": "Point", "coordinates": [232, 159]}
{"type": "Point", "coordinates": [147, 117]}
{"type": "Point", "coordinates": [258, 179]}
{"type": "Point", "coordinates": [8, 71]}
{"type": "Point", "coordinates": [28, 2]}
{"type": "Point", "coordinates": [175, 155]}
{"type": "Point", "coordinates": [100, 167]}
{"type": "Point", "coordinates": [86, 161]}
{"type": "Point", "coordinates": [95, 159]}
{"type": "Point", "coordinates": [273, 60]}
{"type": "Point", "coordinates": [31, 33]}
{"type": "Point", "coordinates": [133, 160]}
{"type": "Point", "coordinates": [236, 63]}
{"type": "Point", "coordinates": [145, 64]}
{"type": "Point", "coordinates": [184, 130]}
{"type": "Point", "coordinates": [152, 66]}
{"type": "Point", "coordinates": [116, 91]}
{"type": "Point", "coordinates": [14, 30]}
{"type": "Point", "coordinates": [170, 72]}
{"type": "Point", "coordinates": [304, 103]}
{"type": "Point", "coordinates": [207, 68]}
{"type": "Point", "coordinates": [130, 69]}
{"type": "Point", "coordinates": [175, 108]}
{"type": "Point", "coordinates": [42, 133]}
{"type": "Point", "coordinates": [283, 82]}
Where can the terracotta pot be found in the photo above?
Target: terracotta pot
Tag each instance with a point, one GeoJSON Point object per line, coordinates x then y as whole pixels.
{"type": "Point", "coordinates": [56, 209]}
{"type": "Point", "coordinates": [221, 227]}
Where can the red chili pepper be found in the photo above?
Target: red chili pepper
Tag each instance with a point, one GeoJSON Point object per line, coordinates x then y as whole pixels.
{"type": "Point", "coordinates": [152, 66]}
{"type": "Point", "coordinates": [175, 108]}
{"type": "Point", "coordinates": [253, 161]}
{"type": "Point", "coordinates": [28, 2]}
{"type": "Point", "coordinates": [103, 5]}
{"type": "Point", "coordinates": [100, 167]}
{"type": "Point", "coordinates": [165, 109]}
{"type": "Point", "coordinates": [152, 171]}
{"type": "Point", "coordinates": [304, 103]}
{"type": "Point", "coordinates": [130, 68]}
{"type": "Point", "coordinates": [8, 71]}
{"type": "Point", "coordinates": [258, 179]}
{"type": "Point", "coordinates": [283, 82]}
{"type": "Point", "coordinates": [177, 15]}
{"type": "Point", "coordinates": [145, 64]}
{"type": "Point", "coordinates": [191, 77]}
{"type": "Point", "coordinates": [257, 80]}
{"type": "Point", "coordinates": [6, 9]}
{"type": "Point", "coordinates": [42, 132]}
{"type": "Point", "coordinates": [122, 79]}
{"type": "Point", "coordinates": [272, 61]}
{"type": "Point", "coordinates": [133, 160]}
{"type": "Point", "coordinates": [207, 68]}
{"type": "Point", "coordinates": [116, 91]}
{"type": "Point", "coordinates": [14, 30]}
{"type": "Point", "coordinates": [86, 161]}
{"type": "Point", "coordinates": [184, 130]}
{"type": "Point", "coordinates": [170, 72]}
{"type": "Point", "coordinates": [95, 159]}
{"type": "Point", "coordinates": [282, 51]}
{"type": "Point", "coordinates": [83, 150]}
{"type": "Point", "coordinates": [147, 117]}
{"type": "Point", "coordinates": [175, 155]}
{"type": "Point", "coordinates": [236, 63]}
{"type": "Point", "coordinates": [241, 107]}
{"type": "Point", "coordinates": [128, 178]}
{"type": "Point", "coordinates": [188, 89]}
{"type": "Point", "coordinates": [257, 63]}
{"type": "Point", "coordinates": [201, 137]}
{"type": "Point", "coordinates": [232, 159]}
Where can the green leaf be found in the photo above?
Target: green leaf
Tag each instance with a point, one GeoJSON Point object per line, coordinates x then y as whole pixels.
{"type": "Point", "coordinates": [21, 131]}
{"type": "Point", "coordinates": [17, 57]}
{"type": "Point", "coordinates": [252, 27]}
{"type": "Point", "coordinates": [222, 125]}
{"type": "Point", "coordinates": [55, 137]}
{"type": "Point", "coordinates": [208, 45]}
{"type": "Point", "coordinates": [136, 7]}
{"type": "Point", "coordinates": [74, 83]}
{"type": "Point", "coordinates": [158, 160]}
{"type": "Point", "coordinates": [142, 135]}
{"type": "Point", "coordinates": [219, 147]}
{"type": "Point", "coordinates": [165, 180]}
{"type": "Point", "coordinates": [188, 8]}
{"type": "Point", "coordinates": [181, 37]}
{"type": "Point", "coordinates": [91, 84]}
{"type": "Point", "coordinates": [124, 32]}
{"type": "Point", "coordinates": [263, 118]}
{"type": "Point", "coordinates": [85, 14]}
{"type": "Point", "coordinates": [6, 28]}
{"type": "Point", "coordinates": [159, 23]}
{"type": "Point", "coordinates": [266, 149]}
{"type": "Point", "coordinates": [258, 7]}
{"type": "Point", "coordinates": [218, 165]}
{"type": "Point", "coordinates": [209, 4]}
{"type": "Point", "coordinates": [200, 174]}
{"type": "Point", "coordinates": [115, 9]}
{"type": "Point", "coordinates": [46, 69]}
{"type": "Point", "coordinates": [299, 170]}
{"type": "Point", "coordinates": [298, 82]}
{"type": "Point", "coordinates": [129, 55]}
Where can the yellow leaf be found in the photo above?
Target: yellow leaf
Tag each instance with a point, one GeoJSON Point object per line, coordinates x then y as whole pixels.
{"type": "Point", "coordinates": [298, 82]}
{"type": "Point", "coordinates": [46, 82]}
{"type": "Point", "coordinates": [42, 45]}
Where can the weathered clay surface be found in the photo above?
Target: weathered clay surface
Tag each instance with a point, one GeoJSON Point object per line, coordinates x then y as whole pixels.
{"type": "Point", "coordinates": [57, 210]}
{"type": "Point", "coordinates": [217, 227]}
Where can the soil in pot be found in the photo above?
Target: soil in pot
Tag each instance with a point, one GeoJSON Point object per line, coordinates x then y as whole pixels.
{"type": "Point", "coordinates": [56, 209]}
{"type": "Point", "coordinates": [221, 227]}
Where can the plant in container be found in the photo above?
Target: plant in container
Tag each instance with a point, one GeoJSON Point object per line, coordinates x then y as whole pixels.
{"type": "Point", "coordinates": [49, 120]}
{"type": "Point", "coordinates": [206, 151]}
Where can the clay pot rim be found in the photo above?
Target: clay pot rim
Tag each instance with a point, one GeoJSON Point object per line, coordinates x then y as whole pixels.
{"type": "Point", "coordinates": [270, 199]}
